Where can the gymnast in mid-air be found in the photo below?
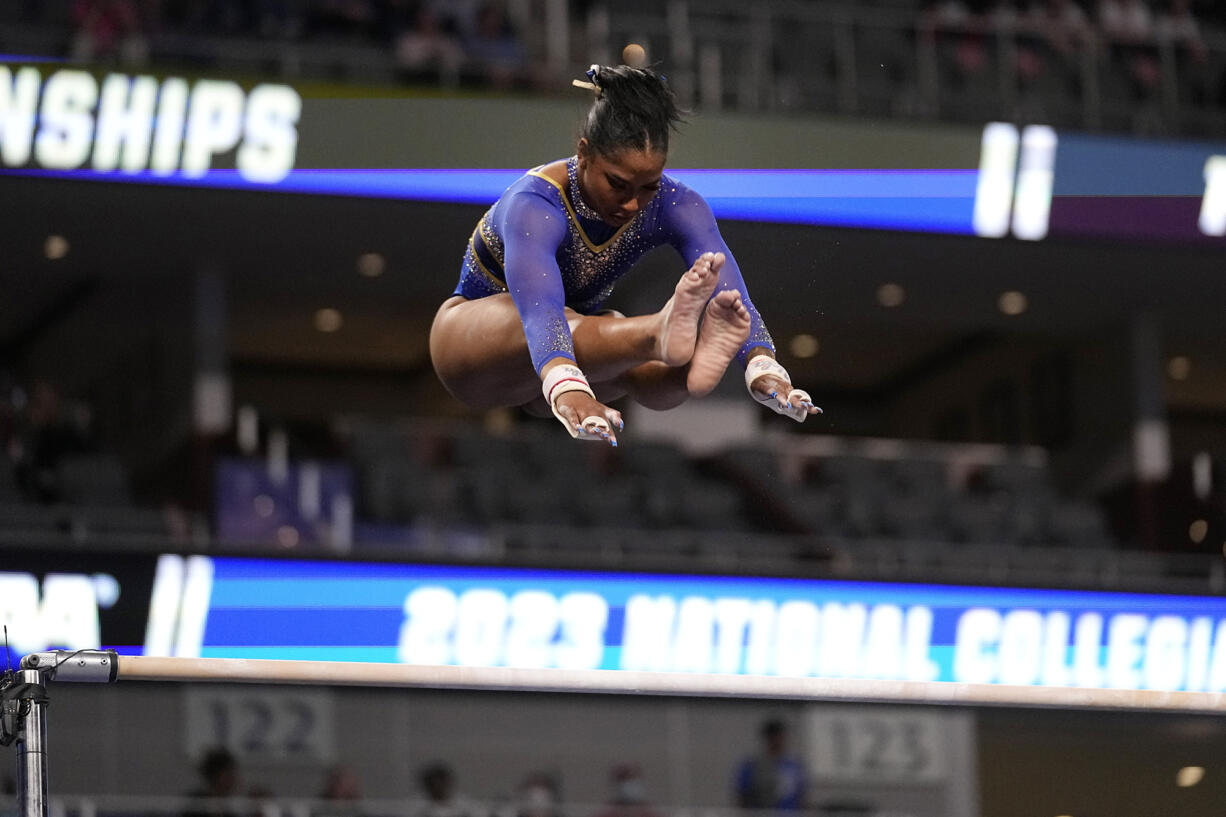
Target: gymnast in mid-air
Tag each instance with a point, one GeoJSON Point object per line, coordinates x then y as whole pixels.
{"type": "Point", "coordinates": [526, 325]}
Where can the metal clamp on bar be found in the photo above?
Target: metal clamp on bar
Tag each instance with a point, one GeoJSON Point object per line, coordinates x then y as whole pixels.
{"type": "Point", "coordinates": [87, 666]}
{"type": "Point", "coordinates": [18, 692]}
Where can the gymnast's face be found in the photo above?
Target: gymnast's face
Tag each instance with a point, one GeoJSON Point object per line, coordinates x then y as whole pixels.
{"type": "Point", "coordinates": [619, 184]}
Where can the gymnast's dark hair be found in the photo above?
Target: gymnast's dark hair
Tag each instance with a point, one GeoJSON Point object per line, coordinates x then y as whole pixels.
{"type": "Point", "coordinates": [634, 108]}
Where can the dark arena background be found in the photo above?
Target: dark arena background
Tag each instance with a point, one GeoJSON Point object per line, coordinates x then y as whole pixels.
{"type": "Point", "coordinates": [989, 238]}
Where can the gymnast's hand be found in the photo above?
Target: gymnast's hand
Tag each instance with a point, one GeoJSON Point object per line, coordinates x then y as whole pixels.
{"type": "Point", "coordinates": [771, 385]}
{"type": "Point", "coordinates": [594, 420]}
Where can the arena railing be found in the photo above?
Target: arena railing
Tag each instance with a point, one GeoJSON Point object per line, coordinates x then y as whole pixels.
{"type": "Point", "coordinates": [108, 805]}
{"type": "Point", "coordinates": [760, 56]}
{"type": "Point", "coordinates": [785, 55]}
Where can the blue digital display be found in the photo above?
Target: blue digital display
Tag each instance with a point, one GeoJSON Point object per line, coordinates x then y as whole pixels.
{"type": "Point", "coordinates": [1118, 166]}
{"type": "Point", "coordinates": [1035, 184]}
{"type": "Point", "coordinates": [1117, 188]}
{"type": "Point", "coordinates": [1032, 183]}
{"type": "Point", "coordinates": [940, 201]}
{"type": "Point", "coordinates": [491, 617]}
{"type": "Point", "coordinates": [27, 59]}
{"type": "Point", "coordinates": [70, 124]}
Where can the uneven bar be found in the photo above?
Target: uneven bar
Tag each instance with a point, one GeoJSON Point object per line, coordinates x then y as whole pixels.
{"type": "Point", "coordinates": [347, 673]}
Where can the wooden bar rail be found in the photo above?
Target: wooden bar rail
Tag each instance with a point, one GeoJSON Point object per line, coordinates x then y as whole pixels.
{"type": "Point", "coordinates": [346, 673]}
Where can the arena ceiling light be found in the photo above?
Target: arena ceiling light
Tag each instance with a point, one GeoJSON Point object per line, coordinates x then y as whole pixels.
{"type": "Point", "coordinates": [329, 319]}
{"type": "Point", "coordinates": [1189, 776]}
{"type": "Point", "coordinates": [56, 247]}
{"type": "Point", "coordinates": [1198, 530]}
{"type": "Point", "coordinates": [890, 295]}
{"type": "Point", "coordinates": [1179, 367]}
{"type": "Point", "coordinates": [371, 264]}
{"type": "Point", "coordinates": [1012, 302]}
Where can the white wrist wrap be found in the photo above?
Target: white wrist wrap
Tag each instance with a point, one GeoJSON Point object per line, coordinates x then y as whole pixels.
{"type": "Point", "coordinates": [762, 365]}
{"type": "Point", "coordinates": [558, 381]}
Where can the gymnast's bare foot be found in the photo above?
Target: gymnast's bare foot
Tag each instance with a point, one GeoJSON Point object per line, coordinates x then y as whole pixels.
{"type": "Point", "coordinates": [680, 316]}
{"type": "Point", "coordinates": [724, 330]}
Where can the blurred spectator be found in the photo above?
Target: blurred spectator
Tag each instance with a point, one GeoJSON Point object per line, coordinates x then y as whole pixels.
{"type": "Point", "coordinates": [1125, 20]}
{"type": "Point", "coordinates": [965, 34]}
{"type": "Point", "coordinates": [341, 794]}
{"type": "Point", "coordinates": [441, 797]}
{"type": "Point", "coordinates": [947, 15]}
{"type": "Point", "coordinates": [229, 17]}
{"type": "Point", "coordinates": [494, 48]}
{"type": "Point", "coordinates": [1178, 26]}
{"type": "Point", "coordinates": [773, 778]}
{"type": "Point", "coordinates": [10, 395]}
{"type": "Point", "coordinates": [1051, 36]}
{"type": "Point", "coordinates": [219, 780]}
{"type": "Point", "coordinates": [1001, 15]}
{"type": "Point", "coordinates": [1128, 27]}
{"type": "Point", "coordinates": [181, 15]}
{"type": "Point", "coordinates": [341, 783]}
{"type": "Point", "coordinates": [180, 528]}
{"type": "Point", "coordinates": [458, 16]}
{"type": "Point", "coordinates": [45, 435]}
{"type": "Point", "coordinates": [1062, 24]}
{"type": "Point", "coordinates": [277, 19]}
{"type": "Point", "coordinates": [259, 802]}
{"type": "Point", "coordinates": [107, 30]}
{"type": "Point", "coordinates": [951, 29]}
{"type": "Point", "coordinates": [427, 51]}
{"type": "Point", "coordinates": [628, 793]}
{"type": "Point", "coordinates": [538, 795]}
{"type": "Point", "coordinates": [342, 19]}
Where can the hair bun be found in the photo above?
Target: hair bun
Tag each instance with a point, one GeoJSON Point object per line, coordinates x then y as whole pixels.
{"type": "Point", "coordinates": [633, 109]}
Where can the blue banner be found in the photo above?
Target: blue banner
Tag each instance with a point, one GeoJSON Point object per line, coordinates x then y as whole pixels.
{"type": "Point", "coordinates": [940, 201]}
{"type": "Point", "coordinates": [490, 617]}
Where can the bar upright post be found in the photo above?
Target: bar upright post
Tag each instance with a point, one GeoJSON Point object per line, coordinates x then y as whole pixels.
{"type": "Point", "coordinates": [32, 746]}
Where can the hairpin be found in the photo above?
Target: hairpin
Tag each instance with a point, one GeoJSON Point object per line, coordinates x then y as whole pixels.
{"type": "Point", "coordinates": [593, 84]}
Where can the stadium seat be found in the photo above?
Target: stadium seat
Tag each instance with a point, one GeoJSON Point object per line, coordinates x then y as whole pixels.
{"type": "Point", "coordinates": [123, 525]}
{"type": "Point", "coordinates": [707, 504]}
{"type": "Point", "coordinates": [26, 520]}
{"type": "Point", "coordinates": [977, 520]}
{"type": "Point", "coordinates": [851, 472]}
{"type": "Point", "coordinates": [921, 477]}
{"type": "Point", "coordinates": [95, 480]}
{"type": "Point", "coordinates": [911, 516]}
{"type": "Point", "coordinates": [1077, 524]}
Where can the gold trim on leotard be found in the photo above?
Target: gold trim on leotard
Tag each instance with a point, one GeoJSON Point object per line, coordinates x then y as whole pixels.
{"type": "Point", "coordinates": [570, 210]}
{"type": "Point", "coordinates": [472, 248]}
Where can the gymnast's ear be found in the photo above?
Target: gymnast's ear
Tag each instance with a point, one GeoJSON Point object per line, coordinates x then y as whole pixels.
{"type": "Point", "coordinates": [583, 150]}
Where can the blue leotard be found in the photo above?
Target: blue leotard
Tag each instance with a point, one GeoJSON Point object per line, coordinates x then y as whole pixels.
{"type": "Point", "coordinates": [533, 244]}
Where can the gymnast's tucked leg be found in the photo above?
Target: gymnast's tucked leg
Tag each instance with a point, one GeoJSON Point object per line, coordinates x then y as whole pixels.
{"type": "Point", "coordinates": [481, 355]}
{"type": "Point", "coordinates": [656, 385]}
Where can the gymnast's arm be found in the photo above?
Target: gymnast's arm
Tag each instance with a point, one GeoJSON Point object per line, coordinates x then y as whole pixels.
{"type": "Point", "coordinates": [532, 230]}
{"type": "Point", "coordinates": [694, 231]}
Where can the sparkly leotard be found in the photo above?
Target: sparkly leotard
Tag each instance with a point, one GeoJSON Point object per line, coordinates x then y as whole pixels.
{"type": "Point", "coordinates": [550, 250]}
